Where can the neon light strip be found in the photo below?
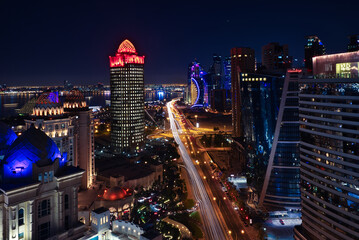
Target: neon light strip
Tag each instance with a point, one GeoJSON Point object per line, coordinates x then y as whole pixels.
{"type": "Point", "coordinates": [195, 81]}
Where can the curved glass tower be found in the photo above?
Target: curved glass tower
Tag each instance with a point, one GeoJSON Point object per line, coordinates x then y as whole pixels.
{"type": "Point", "coordinates": [329, 149]}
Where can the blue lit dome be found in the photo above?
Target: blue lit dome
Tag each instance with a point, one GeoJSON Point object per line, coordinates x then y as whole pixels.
{"type": "Point", "coordinates": [33, 146]}
{"type": "Point", "coordinates": [7, 137]}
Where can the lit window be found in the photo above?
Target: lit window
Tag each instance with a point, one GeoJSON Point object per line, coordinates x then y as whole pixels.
{"type": "Point", "coordinates": [51, 176]}
{"type": "Point", "coordinates": [21, 235]}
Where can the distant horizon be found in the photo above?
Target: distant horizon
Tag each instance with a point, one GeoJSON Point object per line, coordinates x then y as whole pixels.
{"type": "Point", "coordinates": [105, 85]}
{"type": "Point", "coordinates": [45, 42]}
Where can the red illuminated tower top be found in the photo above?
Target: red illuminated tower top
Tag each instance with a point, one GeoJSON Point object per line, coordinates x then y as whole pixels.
{"type": "Point", "coordinates": [126, 53]}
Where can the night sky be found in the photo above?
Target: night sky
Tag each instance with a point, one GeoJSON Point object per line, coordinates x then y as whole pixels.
{"type": "Point", "coordinates": [48, 42]}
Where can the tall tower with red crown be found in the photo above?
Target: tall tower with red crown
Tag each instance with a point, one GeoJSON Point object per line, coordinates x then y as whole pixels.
{"type": "Point", "coordinates": [127, 99]}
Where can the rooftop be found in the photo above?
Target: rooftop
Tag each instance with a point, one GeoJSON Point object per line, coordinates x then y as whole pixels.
{"type": "Point", "coordinates": [100, 210]}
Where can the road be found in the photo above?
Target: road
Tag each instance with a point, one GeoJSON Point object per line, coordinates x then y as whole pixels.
{"type": "Point", "coordinates": [213, 226]}
{"type": "Point", "coordinates": [221, 204]}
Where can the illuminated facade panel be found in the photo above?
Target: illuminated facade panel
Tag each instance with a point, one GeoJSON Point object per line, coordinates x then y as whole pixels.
{"type": "Point", "coordinates": [197, 94]}
{"type": "Point", "coordinates": [127, 99]}
{"type": "Point", "coordinates": [341, 65]}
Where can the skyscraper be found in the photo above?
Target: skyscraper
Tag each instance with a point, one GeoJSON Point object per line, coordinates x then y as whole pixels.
{"type": "Point", "coordinates": [329, 149]}
{"type": "Point", "coordinates": [260, 97]}
{"type": "Point", "coordinates": [215, 72]}
{"type": "Point", "coordinates": [276, 57]}
{"type": "Point", "coordinates": [227, 73]}
{"type": "Point", "coordinates": [353, 44]}
{"type": "Point", "coordinates": [197, 85]}
{"type": "Point", "coordinates": [242, 61]}
{"type": "Point", "coordinates": [314, 47]}
{"type": "Point", "coordinates": [127, 99]}
{"type": "Point", "coordinates": [281, 189]}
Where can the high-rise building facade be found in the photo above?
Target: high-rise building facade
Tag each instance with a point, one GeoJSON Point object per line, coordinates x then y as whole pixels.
{"type": "Point", "coordinates": [260, 100]}
{"type": "Point", "coordinates": [242, 61]}
{"type": "Point", "coordinates": [197, 85]}
{"type": "Point", "coordinates": [227, 73]}
{"type": "Point", "coordinates": [329, 150]}
{"type": "Point", "coordinates": [281, 190]}
{"type": "Point", "coordinates": [314, 47]}
{"type": "Point", "coordinates": [353, 44]}
{"type": "Point", "coordinates": [127, 99]}
{"type": "Point", "coordinates": [215, 74]}
{"type": "Point", "coordinates": [276, 57]}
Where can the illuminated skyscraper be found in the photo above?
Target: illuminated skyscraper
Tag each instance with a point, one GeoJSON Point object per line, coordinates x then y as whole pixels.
{"type": "Point", "coordinates": [197, 85]}
{"type": "Point", "coordinates": [127, 99]}
{"type": "Point", "coordinates": [242, 61]}
{"type": "Point", "coordinates": [329, 149]}
{"type": "Point", "coordinates": [227, 73]}
{"type": "Point", "coordinates": [314, 47]}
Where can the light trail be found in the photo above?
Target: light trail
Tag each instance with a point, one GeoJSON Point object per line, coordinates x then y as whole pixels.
{"type": "Point", "coordinates": [212, 225]}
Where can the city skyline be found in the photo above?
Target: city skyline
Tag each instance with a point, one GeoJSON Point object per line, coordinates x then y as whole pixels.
{"type": "Point", "coordinates": [72, 42]}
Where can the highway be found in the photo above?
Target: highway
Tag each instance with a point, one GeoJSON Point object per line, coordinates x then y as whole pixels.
{"type": "Point", "coordinates": [213, 226]}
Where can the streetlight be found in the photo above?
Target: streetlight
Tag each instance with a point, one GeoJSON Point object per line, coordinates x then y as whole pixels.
{"type": "Point", "coordinates": [214, 198]}
{"type": "Point", "coordinates": [196, 121]}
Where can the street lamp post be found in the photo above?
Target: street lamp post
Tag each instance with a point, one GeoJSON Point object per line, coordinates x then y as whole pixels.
{"type": "Point", "coordinates": [196, 116]}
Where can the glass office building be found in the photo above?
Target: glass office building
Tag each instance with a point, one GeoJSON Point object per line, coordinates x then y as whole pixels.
{"type": "Point", "coordinates": [127, 99]}
{"type": "Point", "coordinates": [269, 121]}
{"type": "Point", "coordinates": [329, 150]}
{"type": "Point", "coordinates": [281, 190]}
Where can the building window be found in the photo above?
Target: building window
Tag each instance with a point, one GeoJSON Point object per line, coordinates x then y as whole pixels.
{"type": "Point", "coordinates": [45, 177]}
{"type": "Point", "coordinates": [21, 217]}
{"type": "Point", "coordinates": [66, 201]}
{"type": "Point", "coordinates": [51, 176]}
{"type": "Point", "coordinates": [40, 177]}
{"type": "Point", "coordinates": [44, 230]}
{"type": "Point", "coordinates": [43, 208]}
{"type": "Point", "coordinates": [21, 235]}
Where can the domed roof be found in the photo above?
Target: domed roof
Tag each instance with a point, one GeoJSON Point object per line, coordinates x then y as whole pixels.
{"type": "Point", "coordinates": [33, 146]}
{"type": "Point", "coordinates": [116, 193]}
{"type": "Point", "coordinates": [75, 99]}
{"type": "Point", "coordinates": [74, 96]}
{"type": "Point", "coordinates": [126, 47]}
{"type": "Point", "coordinates": [7, 137]}
{"type": "Point", "coordinates": [48, 99]}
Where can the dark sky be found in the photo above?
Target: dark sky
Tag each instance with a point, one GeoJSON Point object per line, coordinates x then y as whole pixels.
{"type": "Point", "coordinates": [47, 42]}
